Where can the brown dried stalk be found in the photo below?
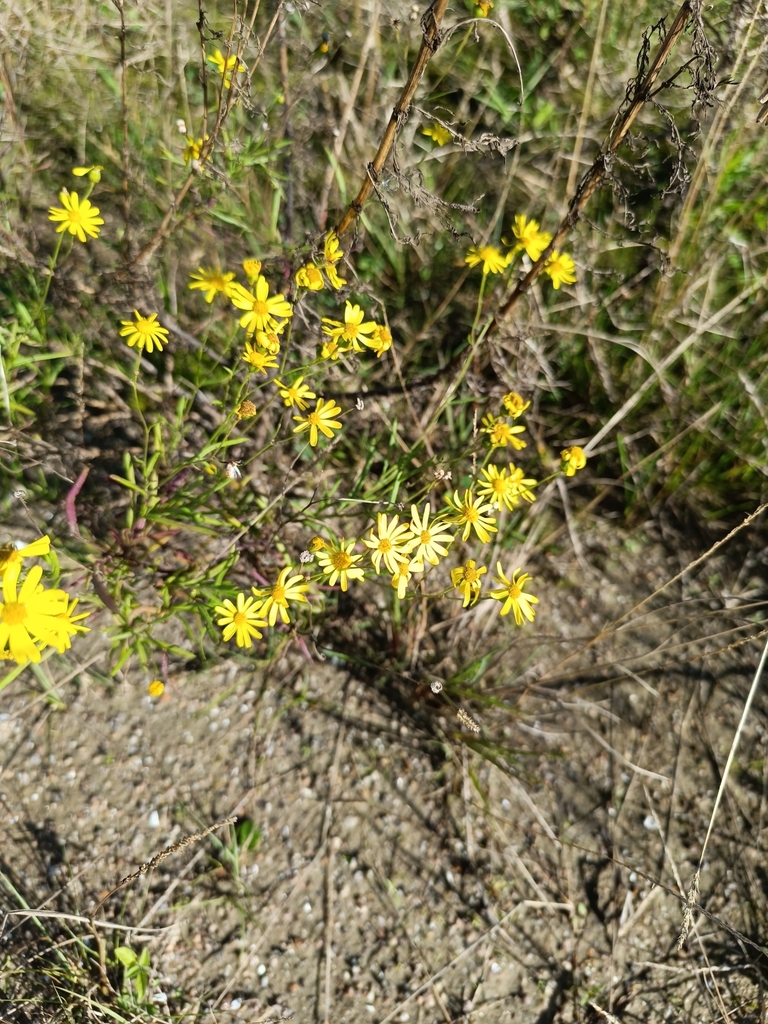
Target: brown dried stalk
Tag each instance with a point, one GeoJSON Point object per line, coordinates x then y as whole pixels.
{"type": "Point", "coordinates": [430, 43]}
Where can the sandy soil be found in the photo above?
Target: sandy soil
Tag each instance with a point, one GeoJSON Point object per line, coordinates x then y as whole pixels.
{"type": "Point", "coordinates": [408, 869]}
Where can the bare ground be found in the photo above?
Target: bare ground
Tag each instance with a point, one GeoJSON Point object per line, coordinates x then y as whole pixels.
{"type": "Point", "coordinates": [403, 874]}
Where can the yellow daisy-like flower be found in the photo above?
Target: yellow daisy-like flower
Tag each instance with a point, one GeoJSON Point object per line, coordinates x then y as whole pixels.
{"type": "Point", "coordinates": [10, 555]}
{"type": "Point", "coordinates": [498, 489]}
{"type": "Point", "coordinates": [437, 133]}
{"type": "Point", "coordinates": [492, 260]}
{"type": "Point", "coordinates": [213, 282]}
{"type": "Point", "coordinates": [521, 483]}
{"type": "Point", "coordinates": [258, 359]}
{"type": "Point", "coordinates": [561, 268]}
{"type": "Point", "coordinates": [530, 237]}
{"type": "Point", "coordinates": [338, 562]}
{"type": "Point", "coordinates": [322, 418]}
{"type": "Point", "coordinates": [93, 172]}
{"type": "Point", "coordinates": [78, 216]}
{"type": "Point", "coordinates": [225, 67]}
{"type": "Point", "coordinates": [296, 394]}
{"type": "Point", "coordinates": [309, 276]}
{"type": "Point", "coordinates": [242, 620]}
{"type": "Point", "coordinates": [269, 340]}
{"type": "Point", "coordinates": [156, 688]}
{"type": "Point", "coordinates": [317, 544]}
{"type": "Point", "coordinates": [401, 577]}
{"type": "Point", "coordinates": [500, 433]}
{"type": "Point", "coordinates": [246, 410]}
{"type": "Point", "coordinates": [352, 331]}
{"type": "Point", "coordinates": [428, 540]}
{"type": "Point", "coordinates": [32, 616]}
{"type": "Point", "coordinates": [144, 332]}
{"type": "Point", "coordinates": [511, 593]}
{"type": "Point", "coordinates": [262, 311]}
{"type": "Point", "coordinates": [331, 349]}
{"type": "Point", "coordinates": [574, 459]}
{"type": "Point", "coordinates": [288, 588]}
{"type": "Point", "coordinates": [333, 278]}
{"type": "Point", "coordinates": [380, 341]}
{"type": "Point", "coordinates": [331, 251]}
{"type": "Point", "coordinates": [252, 269]}
{"type": "Point", "coordinates": [388, 541]}
{"type": "Point", "coordinates": [472, 513]}
{"type": "Point", "coordinates": [193, 149]}
{"type": "Point", "coordinates": [466, 578]}
{"type": "Point", "coordinates": [72, 622]}
{"type": "Point", "coordinates": [515, 404]}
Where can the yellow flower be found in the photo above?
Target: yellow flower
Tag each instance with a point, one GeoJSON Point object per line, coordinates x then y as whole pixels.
{"type": "Point", "coordinates": [529, 237]}
{"type": "Point", "coordinates": [156, 688]}
{"type": "Point", "coordinates": [225, 69]}
{"type": "Point", "coordinates": [389, 541]}
{"type": "Point", "coordinates": [32, 616]}
{"type": "Point", "coordinates": [574, 459]}
{"type": "Point", "coordinates": [310, 277]}
{"type": "Point", "coordinates": [380, 341]}
{"type": "Point", "coordinates": [144, 332]}
{"type": "Point", "coordinates": [288, 588]}
{"type": "Point", "coordinates": [333, 278]}
{"type": "Point", "coordinates": [261, 310]}
{"type": "Point", "coordinates": [246, 410]}
{"type": "Point", "coordinates": [269, 340]}
{"type": "Point", "coordinates": [352, 330]}
{"type": "Point", "coordinates": [513, 596]}
{"type": "Point", "coordinates": [320, 419]}
{"type": "Point", "coordinates": [466, 578]}
{"type": "Point", "coordinates": [295, 394]}
{"type": "Point", "coordinates": [498, 488]}
{"type": "Point", "coordinates": [482, 8]}
{"type": "Point", "coordinates": [338, 563]}
{"type": "Point", "coordinates": [193, 149]}
{"type": "Point", "coordinates": [437, 133]}
{"type": "Point", "coordinates": [252, 269]}
{"type": "Point", "coordinates": [10, 555]}
{"type": "Point", "coordinates": [515, 404]}
{"type": "Point", "coordinates": [331, 250]}
{"type": "Point", "coordinates": [521, 483]}
{"type": "Point", "coordinates": [73, 625]}
{"type": "Point", "coordinates": [428, 540]}
{"type": "Point", "coordinates": [316, 544]}
{"type": "Point", "coordinates": [79, 217]}
{"type": "Point", "coordinates": [213, 282]}
{"type": "Point", "coordinates": [471, 513]}
{"type": "Point", "coordinates": [93, 172]}
{"type": "Point", "coordinates": [500, 434]}
{"type": "Point", "coordinates": [560, 268]}
{"type": "Point", "coordinates": [241, 620]}
{"type": "Point", "coordinates": [401, 577]}
{"type": "Point", "coordinates": [259, 360]}
{"type": "Point", "coordinates": [492, 260]}
{"type": "Point", "coordinates": [331, 349]}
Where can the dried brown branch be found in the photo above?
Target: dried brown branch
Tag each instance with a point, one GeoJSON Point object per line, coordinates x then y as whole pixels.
{"type": "Point", "coordinates": [430, 43]}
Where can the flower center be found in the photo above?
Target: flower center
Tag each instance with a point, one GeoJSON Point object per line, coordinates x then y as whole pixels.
{"type": "Point", "coordinates": [514, 591]}
{"type": "Point", "coordinates": [470, 575]}
{"type": "Point", "coordinates": [14, 613]}
{"type": "Point", "coordinates": [240, 619]}
{"type": "Point", "coordinates": [340, 560]}
{"type": "Point", "coordinates": [425, 537]}
{"type": "Point", "coordinates": [313, 419]}
{"type": "Point", "coordinates": [260, 308]}
{"type": "Point", "coordinates": [385, 545]}
{"type": "Point", "coordinates": [471, 514]}
{"type": "Point", "coordinates": [499, 486]}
